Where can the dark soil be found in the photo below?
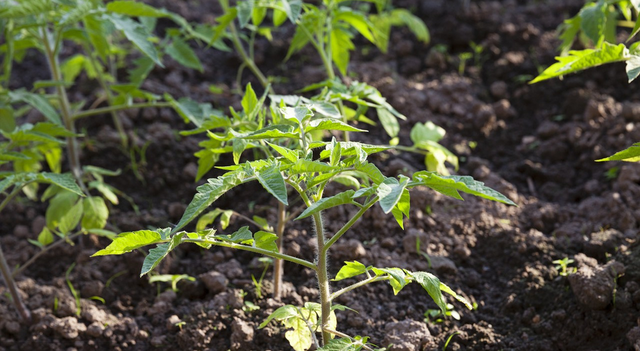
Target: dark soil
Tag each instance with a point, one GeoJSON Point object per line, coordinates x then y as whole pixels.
{"type": "Point", "coordinates": [535, 143]}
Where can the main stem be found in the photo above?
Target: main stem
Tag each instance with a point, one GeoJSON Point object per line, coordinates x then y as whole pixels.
{"type": "Point", "coordinates": [6, 271]}
{"type": "Point", "coordinates": [323, 278]}
{"type": "Point", "coordinates": [65, 108]}
{"type": "Point", "coordinates": [278, 265]}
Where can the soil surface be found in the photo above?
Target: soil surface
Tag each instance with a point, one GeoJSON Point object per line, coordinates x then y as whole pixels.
{"type": "Point", "coordinates": [534, 143]}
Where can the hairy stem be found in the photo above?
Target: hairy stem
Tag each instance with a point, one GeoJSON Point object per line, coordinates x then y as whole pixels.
{"type": "Point", "coordinates": [349, 224]}
{"type": "Point", "coordinates": [323, 277]}
{"type": "Point", "coordinates": [278, 264]}
{"type": "Point", "coordinates": [65, 108]}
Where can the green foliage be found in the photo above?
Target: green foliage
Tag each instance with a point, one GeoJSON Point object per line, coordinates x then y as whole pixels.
{"type": "Point", "coordinates": [595, 26]}
{"type": "Point", "coordinates": [294, 161]}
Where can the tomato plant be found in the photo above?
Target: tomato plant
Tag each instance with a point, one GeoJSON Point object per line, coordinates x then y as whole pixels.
{"type": "Point", "coordinates": [298, 164]}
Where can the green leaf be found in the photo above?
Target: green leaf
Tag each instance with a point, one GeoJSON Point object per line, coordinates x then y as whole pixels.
{"type": "Point", "coordinates": [350, 269]}
{"type": "Point", "coordinates": [45, 237]}
{"type": "Point", "coordinates": [249, 100]}
{"type": "Point", "coordinates": [135, 9]}
{"type": "Point", "coordinates": [328, 202]}
{"type": "Point", "coordinates": [402, 208]}
{"type": "Point", "coordinates": [431, 284]}
{"type": "Point", "coordinates": [631, 154]}
{"type": "Point", "coordinates": [207, 219]}
{"type": "Point", "coordinates": [72, 67]}
{"type": "Point", "coordinates": [129, 241]}
{"type": "Point", "coordinates": [293, 9]}
{"type": "Point", "coordinates": [265, 240]}
{"type": "Point", "coordinates": [58, 208]}
{"type": "Point", "coordinates": [190, 110]}
{"type": "Point", "coordinates": [180, 51]}
{"type": "Point", "coordinates": [593, 19]}
{"type": "Point", "coordinates": [371, 171]}
{"type": "Point", "coordinates": [290, 155]}
{"type": "Point", "coordinates": [448, 290]}
{"type": "Point", "coordinates": [70, 220]}
{"type": "Point", "coordinates": [296, 114]}
{"type": "Point", "coordinates": [94, 26]}
{"type": "Point", "coordinates": [390, 191]}
{"type": "Point", "coordinates": [330, 124]}
{"type": "Point", "coordinates": [239, 145]}
{"type": "Point", "coordinates": [325, 108]}
{"type": "Point", "coordinates": [389, 122]}
{"type": "Point", "coordinates": [584, 59]}
{"type": "Point", "coordinates": [96, 213]}
{"type": "Point", "coordinates": [65, 181]}
{"type": "Point", "coordinates": [306, 166]}
{"type": "Point", "coordinates": [241, 235]}
{"type": "Point", "coordinates": [399, 280]}
{"type": "Point", "coordinates": [450, 185]}
{"type": "Point", "coordinates": [414, 23]}
{"type": "Point", "coordinates": [633, 68]}
{"type": "Point", "coordinates": [426, 132]}
{"type": "Point", "coordinates": [245, 10]}
{"type": "Point", "coordinates": [357, 20]}
{"type": "Point", "coordinates": [7, 120]}
{"type": "Point", "coordinates": [340, 46]}
{"type": "Point", "coordinates": [272, 180]}
{"type": "Point", "coordinates": [282, 313]}
{"type": "Point", "coordinates": [342, 344]}
{"type": "Point", "coordinates": [299, 337]}
{"type": "Point", "coordinates": [38, 102]}
{"type": "Point", "coordinates": [13, 156]}
{"type": "Point", "coordinates": [258, 15]}
{"type": "Point", "coordinates": [105, 190]}
{"type": "Point", "coordinates": [225, 218]}
{"type": "Point", "coordinates": [137, 34]}
{"type": "Point", "coordinates": [336, 152]}
{"type": "Point", "coordinates": [208, 193]}
{"type": "Point", "coordinates": [157, 254]}
{"type": "Point", "coordinates": [275, 131]}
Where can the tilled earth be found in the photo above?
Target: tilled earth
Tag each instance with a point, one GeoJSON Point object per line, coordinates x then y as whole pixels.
{"type": "Point", "coordinates": [534, 143]}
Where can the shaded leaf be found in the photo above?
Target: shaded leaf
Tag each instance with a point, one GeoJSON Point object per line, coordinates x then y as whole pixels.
{"type": "Point", "coordinates": [96, 213]}
{"type": "Point", "coordinates": [180, 51]}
